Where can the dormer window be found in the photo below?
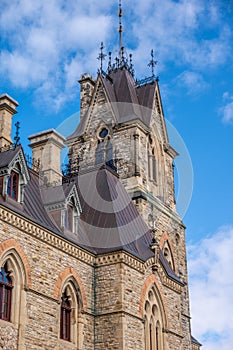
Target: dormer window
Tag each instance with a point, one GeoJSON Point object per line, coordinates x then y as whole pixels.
{"type": "Point", "coordinates": [13, 185]}
{"type": "Point", "coordinates": [71, 216]}
{"type": "Point", "coordinates": [14, 175]}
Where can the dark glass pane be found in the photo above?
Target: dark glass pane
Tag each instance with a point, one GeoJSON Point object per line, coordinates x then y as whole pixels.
{"type": "Point", "coordinates": [65, 317]}
{"type": "Point", "coordinates": [103, 133]}
{"type": "Point", "coordinates": [5, 294]}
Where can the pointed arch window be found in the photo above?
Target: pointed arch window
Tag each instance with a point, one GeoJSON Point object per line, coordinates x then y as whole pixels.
{"type": "Point", "coordinates": [168, 254]}
{"type": "Point", "coordinates": [152, 329]}
{"type": "Point", "coordinates": [151, 161]}
{"type": "Point", "coordinates": [13, 185]}
{"type": "Point", "coordinates": [65, 321]}
{"type": "Point", "coordinates": [71, 213]}
{"type": "Point", "coordinates": [6, 287]}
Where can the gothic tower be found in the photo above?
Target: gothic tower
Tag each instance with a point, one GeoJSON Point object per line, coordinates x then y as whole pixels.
{"type": "Point", "coordinates": [94, 258]}
{"type": "Point", "coordinates": [122, 126]}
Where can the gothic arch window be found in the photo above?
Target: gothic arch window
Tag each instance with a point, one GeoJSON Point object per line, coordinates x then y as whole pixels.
{"type": "Point", "coordinates": [12, 292]}
{"type": "Point", "coordinates": [6, 287]}
{"type": "Point", "coordinates": [15, 181]}
{"type": "Point", "coordinates": [71, 216]}
{"type": "Point", "coordinates": [104, 149]}
{"type": "Point", "coordinates": [168, 254]}
{"type": "Point", "coordinates": [151, 160]}
{"type": "Point", "coordinates": [65, 318]}
{"type": "Point", "coordinates": [70, 313]}
{"type": "Point", "coordinates": [153, 321]}
{"type": "Point", "coordinates": [13, 185]}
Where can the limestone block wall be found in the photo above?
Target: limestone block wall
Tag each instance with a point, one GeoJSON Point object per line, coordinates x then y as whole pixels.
{"type": "Point", "coordinates": [48, 262]}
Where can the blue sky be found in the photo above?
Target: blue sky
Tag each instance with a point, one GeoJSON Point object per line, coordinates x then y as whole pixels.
{"type": "Point", "coordinates": [46, 45]}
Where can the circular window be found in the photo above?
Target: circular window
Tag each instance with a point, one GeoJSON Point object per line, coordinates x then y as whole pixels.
{"type": "Point", "coordinates": [103, 133]}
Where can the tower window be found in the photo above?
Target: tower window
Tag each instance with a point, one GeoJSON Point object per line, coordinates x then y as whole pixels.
{"type": "Point", "coordinates": [5, 294]}
{"type": "Point", "coordinates": [65, 326]}
{"type": "Point", "coordinates": [12, 186]}
{"type": "Point", "coordinates": [103, 133]}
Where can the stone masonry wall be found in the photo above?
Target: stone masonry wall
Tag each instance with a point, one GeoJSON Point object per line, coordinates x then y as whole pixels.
{"type": "Point", "coordinates": [46, 263]}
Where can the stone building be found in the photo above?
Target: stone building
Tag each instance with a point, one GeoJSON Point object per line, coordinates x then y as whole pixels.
{"type": "Point", "coordinates": [94, 258]}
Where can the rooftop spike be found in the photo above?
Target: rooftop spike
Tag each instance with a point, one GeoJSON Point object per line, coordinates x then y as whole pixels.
{"type": "Point", "coordinates": [109, 61]}
{"type": "Point", "coordinates": [17, 138]}
{"type": "Point", "coordinates": [152, 63]}
{"type": "Point", "coordinates": [120, 29]}
{"type": "Point", "coordinates": [101, 57]}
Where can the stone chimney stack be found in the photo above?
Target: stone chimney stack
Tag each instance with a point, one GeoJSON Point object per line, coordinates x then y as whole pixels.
{"type": "Point", "coordinates": [46, 148]}
{"type": "Point", "coordinates": [87, 85]}
{"type": "Point", "coordinates": [7, 110]}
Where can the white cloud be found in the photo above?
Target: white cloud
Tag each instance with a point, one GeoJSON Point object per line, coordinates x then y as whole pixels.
{"type": "Point", "coordinates": [186, 32]}
{"type": "Point", "coordinates": [42, 38]}
{"type": "Point", "coordinates": [193, 81]}
{"type": "Point", "coordinates": [211, 288]}
{"type": "Point", "coordinates": [227, 110]}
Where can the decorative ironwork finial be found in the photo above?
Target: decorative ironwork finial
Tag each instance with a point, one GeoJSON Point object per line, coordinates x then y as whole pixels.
{"type": "Point", "coordinates": [109, 61]}
{"type": "Point", "coordinates": [131, 69]}
{"type": "Point", "coordinates": [101, 56]}
{"type": "Point", "coordinates": [120, 30]}
{"type": "Point", "coordinates": [152, 63]}
{"type": "Point", "coordinates": [17, 138]}
{"type": "Point", "coordinates": [117, 62]}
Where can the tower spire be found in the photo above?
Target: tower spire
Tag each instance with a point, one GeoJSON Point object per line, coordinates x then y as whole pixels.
{"type": "Point", "coordinates": [120, 30]}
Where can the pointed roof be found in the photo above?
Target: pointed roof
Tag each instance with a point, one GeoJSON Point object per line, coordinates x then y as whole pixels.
{"type": "Point", "coordinates": [127, 100]}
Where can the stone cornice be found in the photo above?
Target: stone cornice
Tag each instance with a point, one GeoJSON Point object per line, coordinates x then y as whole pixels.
{"type": "Point", "coordinates": [165, 278]}
{"type": "Point", "coordinates": [45, 235]}
{"type": "Point", "coordinates": [64, 245]}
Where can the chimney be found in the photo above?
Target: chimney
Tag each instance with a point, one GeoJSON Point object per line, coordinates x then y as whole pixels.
{"type": "Point", "coordinates": [46, 148]}
{"type": "Point", "coordinates": [87, 85]}
{"type": "Point", "coordinates": [7, 110]}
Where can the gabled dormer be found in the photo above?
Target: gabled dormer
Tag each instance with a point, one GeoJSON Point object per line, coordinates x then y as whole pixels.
{"type": "Point", "coordinates": [63, 205]}
{"type": "Point", "coordinates": [14, 175]}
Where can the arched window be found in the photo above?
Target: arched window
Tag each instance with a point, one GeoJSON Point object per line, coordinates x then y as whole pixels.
{"type": "Point", "coordinates": [153, 311]}
{"type": "Point", "coordinates": [65, 321]}
{"type": "Point", "coordinates": [151, 161]}
{"type": "Point", "coordinates": [71, 323]}
{"type": "Point", "coordinates": [6, 287]}
{"type": "Point", "coordinates": [168, 254]}
{"type": "Point", "coordinates": [71, 216]}
{"type": "Point", "coordinates": [13, 185]}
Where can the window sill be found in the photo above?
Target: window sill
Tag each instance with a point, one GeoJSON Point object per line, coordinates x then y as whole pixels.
{"type": "Point", "coordinates": [4, 323]}
{"type": "Point", "coordinates": [67, 345]}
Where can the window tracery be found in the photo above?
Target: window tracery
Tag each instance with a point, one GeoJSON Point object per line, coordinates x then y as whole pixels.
{"type": "Point", "coordinates": [153, 321]}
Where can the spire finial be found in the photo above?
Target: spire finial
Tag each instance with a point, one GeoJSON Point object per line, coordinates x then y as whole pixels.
{"type": "Point", "coordinates": [17, 138]}
{"type": "Point", "coordinates": [101, 56]}
{"type": "Point", "coordinates": [120, 29]}
{"type": "Point", "coordinates": [152, 63]}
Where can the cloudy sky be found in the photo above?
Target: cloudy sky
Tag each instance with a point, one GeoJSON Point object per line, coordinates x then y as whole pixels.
{"type": "Point", "coordinates": [46, 45]}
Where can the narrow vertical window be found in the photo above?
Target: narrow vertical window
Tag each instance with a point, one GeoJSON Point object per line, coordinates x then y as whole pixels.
{"type": "Point", "coordinates": [69, 218]}
{"type": "Point", "coordinates": [157, 337]}
{"type": "Point", "coordinates": [12, 186]}
{"type": "Point", "coordinates": [5, 294]}
{"type": "Point", "coordinates": [149, 165]}
{"type": "Point", "coordinates": [154, 168]}
{"type": "Point", "coordinates": [151, 337]}
{"type": "Point", "coordinates": [65, 323]}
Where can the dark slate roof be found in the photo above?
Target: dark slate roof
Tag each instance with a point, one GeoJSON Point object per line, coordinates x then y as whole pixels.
{"type": "Point", "coordinates": [109, 221]}
{"type": "Point", "coordinates": [135, 101]}
{"type": "Point", "coordinates": [7, 156]}
{"type": "Point", "coordinates": [195, 341]}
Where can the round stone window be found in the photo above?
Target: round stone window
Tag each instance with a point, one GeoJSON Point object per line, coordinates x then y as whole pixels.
{"type": "Point", "coordinates": [103, 133]}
